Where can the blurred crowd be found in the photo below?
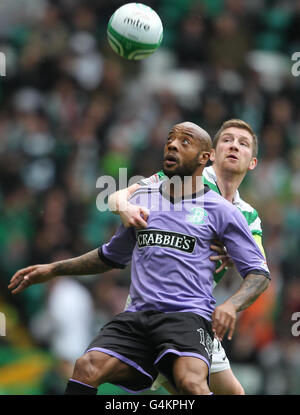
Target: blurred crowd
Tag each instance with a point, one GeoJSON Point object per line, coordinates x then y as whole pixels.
{"type": "Point", "coordinates": [71, 111]}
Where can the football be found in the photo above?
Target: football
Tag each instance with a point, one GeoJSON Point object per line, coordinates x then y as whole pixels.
{"type": "Point", "coordinates": [135, 31]}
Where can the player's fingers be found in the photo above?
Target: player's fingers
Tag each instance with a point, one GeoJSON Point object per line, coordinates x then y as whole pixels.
{"type": "Point", "coordinates": [19, 274]}
{"type": "Point", "coordinates": [226, 262]}
{"type": "Point", "coordinates": [216, 320]}
{"type": "Point", "coordinates": [218, 257]}
{"type": "Point", "coordinates": [14, 281]}
{"type": "Point", "coordinates": [222, 327]}
{"type": "Point", "coordinates": [220, 268]}
{"type": "Point", "coordinates": [134, 221]}
{"type": "Point", "coordinates": [26, 281]}
{"type": "Point", "coordinates": [140, 223]}
{"type": "Point", "coordinates": [229, 325]}
{"type": "Point", "coordinates": [144, 212]}
{"type": "Point", "coordinates": [219, 249]}
{"type": "Point", "coordinates": [221, 322]}
{"type": "Point", "coordinates": [231, 329]}
{"type": "Point", "coordinates": [18, 277]}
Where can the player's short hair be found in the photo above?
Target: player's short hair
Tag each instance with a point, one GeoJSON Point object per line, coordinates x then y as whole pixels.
{"type": "Point", "coordinates": [238, 124]}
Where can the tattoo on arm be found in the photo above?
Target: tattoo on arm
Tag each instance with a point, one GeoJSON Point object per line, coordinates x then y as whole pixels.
{"type": "Point", "coordinates": [251, 288]}
{"type": "Point", "coordinates": [86, 264]}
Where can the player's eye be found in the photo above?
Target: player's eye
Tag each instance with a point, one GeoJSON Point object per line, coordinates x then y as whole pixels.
{"type": "Point", "coordinates": [186, 141]}
{"type": "Point", "coordinates": [225, 139]}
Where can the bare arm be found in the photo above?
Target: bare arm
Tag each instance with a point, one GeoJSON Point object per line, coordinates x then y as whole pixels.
{"type": "Point", "coordinates": [130, 215]}
{"type": "Point", "coordinates": [252, 287]}
{"type": "Point", "coordinates": [224, 316]}
{"type": "Point", "coordinates": [86, 264]}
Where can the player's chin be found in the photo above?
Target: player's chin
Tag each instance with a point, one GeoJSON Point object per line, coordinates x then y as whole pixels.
{"type": "Point", "coordinates": [233, 166]}
{"type": "Point", "coordinates": [170, 171]}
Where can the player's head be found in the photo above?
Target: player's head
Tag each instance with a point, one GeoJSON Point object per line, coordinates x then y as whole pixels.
{"type": "Point", "coordinates": [187, 150]}
{"type": "Point", "coordinates": [235, 147]}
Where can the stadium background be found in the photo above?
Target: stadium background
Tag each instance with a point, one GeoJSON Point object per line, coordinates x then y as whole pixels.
{"type": "Point", "coordinates": [71, 111]}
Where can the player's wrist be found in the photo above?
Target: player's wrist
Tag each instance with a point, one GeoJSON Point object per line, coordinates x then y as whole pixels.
{"type": "Point", "coordinates": [55, 269]}
{"type": "Point", "coordinates": [233, 304]}
{"type": "Point", "coordinates": [117, 202]}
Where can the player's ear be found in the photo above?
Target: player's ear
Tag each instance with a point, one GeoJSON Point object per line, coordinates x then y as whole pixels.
{"type": "Point", "coordinates": [213, 155]}
{"type": "Point", "coordinates": [204, 157]}
{"type": "Point", "coordinates": [253, 163]}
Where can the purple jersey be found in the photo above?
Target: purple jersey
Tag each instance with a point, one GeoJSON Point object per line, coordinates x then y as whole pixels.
{"type": "Point", "coordinates": [171, 270]}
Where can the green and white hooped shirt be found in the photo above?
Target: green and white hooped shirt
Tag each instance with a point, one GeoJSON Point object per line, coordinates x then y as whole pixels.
{"type": "Point", "coordinates": [251, 215]}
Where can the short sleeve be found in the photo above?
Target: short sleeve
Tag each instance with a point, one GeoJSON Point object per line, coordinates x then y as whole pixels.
{"type": "Point", "coordinates": [241, 245]}
{"type": "Point", "coordinates": [117, 253]}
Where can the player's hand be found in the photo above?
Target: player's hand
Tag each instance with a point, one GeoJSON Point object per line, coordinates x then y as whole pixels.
{"type": "Point", "coordinates": [224, 319]}
{"type": "Point", "coordinates": [226, 261]}
{"type": "Point", "coordinates": [31, 275]}
{"type": "Point", "coordinates": [134, 216]}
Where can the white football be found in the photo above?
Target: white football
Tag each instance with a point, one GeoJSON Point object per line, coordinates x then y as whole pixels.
{"type": "Point", "coordinates": [135, 31]}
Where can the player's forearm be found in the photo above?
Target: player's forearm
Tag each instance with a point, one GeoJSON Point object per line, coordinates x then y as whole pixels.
{"type": "Point", "coordinates": [86, 264]}
{"type": "Point", "coordinates": [251, 288]}
{"type": "Point", "coordinates": [117, 201]}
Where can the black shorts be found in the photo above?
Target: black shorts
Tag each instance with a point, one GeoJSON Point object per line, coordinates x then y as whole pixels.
{"type": "Point", "coordinates": [150, 340]}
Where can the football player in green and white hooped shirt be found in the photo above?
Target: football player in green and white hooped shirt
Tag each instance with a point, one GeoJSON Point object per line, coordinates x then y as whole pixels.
{"type": "Point", "coordinates": [234, 153]}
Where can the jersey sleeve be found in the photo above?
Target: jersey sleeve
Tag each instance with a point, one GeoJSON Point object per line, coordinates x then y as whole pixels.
{"type": "Point", "coordinates": [257, 236]}
{"type": "Point", "coordinates": [241, 246]}
{"type": "Point", "coordinates": [256, 230]}
{"type": "Point", "coordinates": [258, 240]}
{"type": "Point", "coordinates": [118, 251]}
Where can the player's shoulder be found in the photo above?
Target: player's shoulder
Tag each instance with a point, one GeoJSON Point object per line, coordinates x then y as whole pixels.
{"type": "Point", "coordinates": [243, 205]}
{"type": "Point", "coordinates": [154, 179]}
{"type": "Point", "coordinates": [151, 187]}
{"type": "Point", "coordinates": [247, 209]}
{"type": "Point", "coordinates": [219, 205]}
{"type": "Point", "coordinates": [222, 212]}
{"type": "Point", "coordinates": [214, 196]}
{"type": "Point", "coordinates": [146, 189]}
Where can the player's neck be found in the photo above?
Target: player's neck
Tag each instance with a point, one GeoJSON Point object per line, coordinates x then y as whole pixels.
{"type": "Point", "coordinates": [228, 183]}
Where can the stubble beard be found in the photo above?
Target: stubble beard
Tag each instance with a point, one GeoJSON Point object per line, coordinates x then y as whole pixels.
{"type": "Point", "coordinates": [186, 170]}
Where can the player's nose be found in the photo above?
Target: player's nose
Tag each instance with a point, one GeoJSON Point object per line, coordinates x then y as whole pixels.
{"type": "Point", "coordinates": [172, 145]}
{"type": "Point", "coordinates": [234, 145]}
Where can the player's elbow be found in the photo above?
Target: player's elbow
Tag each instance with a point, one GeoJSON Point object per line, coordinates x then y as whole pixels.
{"type": "Point", "coordinates": [259, 281]}
{"type": "Point", "coordinates": [266, 283]}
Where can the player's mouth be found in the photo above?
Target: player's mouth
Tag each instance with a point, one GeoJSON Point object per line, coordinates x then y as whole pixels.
{"type": "Point", "coordinates": [170, 160]}
{"type": "Point", "coordinates": [232, 157]}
